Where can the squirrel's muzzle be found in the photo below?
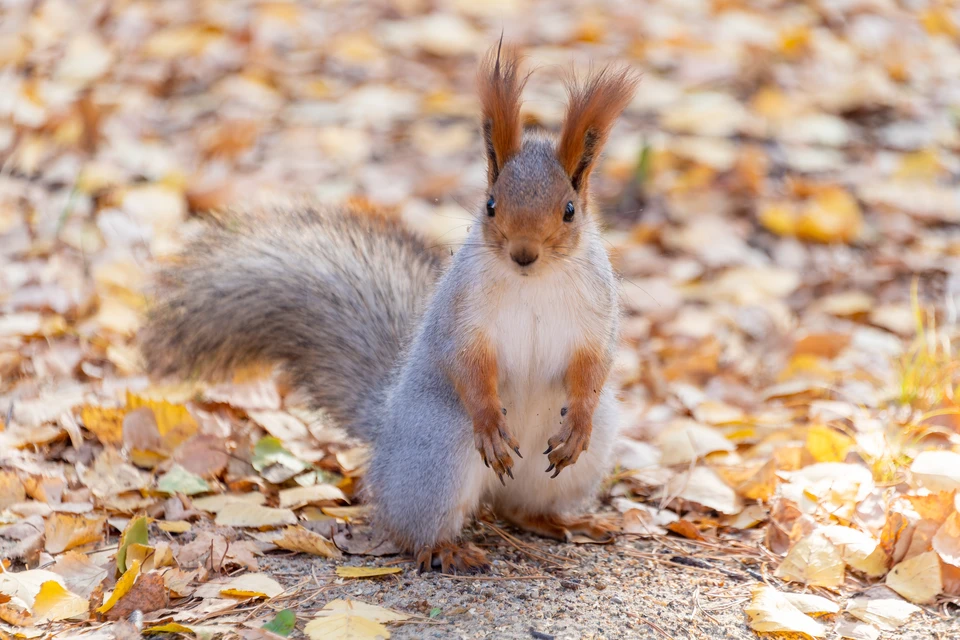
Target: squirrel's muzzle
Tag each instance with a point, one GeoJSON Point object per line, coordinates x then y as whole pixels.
{"type": "Point", "coordinates": [524, 254]}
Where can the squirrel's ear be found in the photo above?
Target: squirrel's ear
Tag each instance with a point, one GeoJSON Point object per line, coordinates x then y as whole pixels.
{"type": "Point", "coordinates": [593, 108]}
{"type": "Point", "coordinates": [500, 90]}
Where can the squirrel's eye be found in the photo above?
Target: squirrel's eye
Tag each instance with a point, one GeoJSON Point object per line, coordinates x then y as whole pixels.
{"type": "Point", "coordinates": [491, 207]}
{"type": "Point", "coordinates": [568, 213]}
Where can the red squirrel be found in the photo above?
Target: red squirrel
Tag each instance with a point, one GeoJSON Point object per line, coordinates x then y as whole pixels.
{"type": "Point", "coordinates": [477, 380]}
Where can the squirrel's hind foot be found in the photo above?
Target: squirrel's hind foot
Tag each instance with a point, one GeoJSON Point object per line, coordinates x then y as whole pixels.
{"type": "Point", "coordinates": [564, 528]}
{"type": "Point", "coordinates": [452, 558]}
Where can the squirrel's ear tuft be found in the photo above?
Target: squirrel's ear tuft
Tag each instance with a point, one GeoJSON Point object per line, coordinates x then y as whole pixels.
{"type": "Point", "coordinates": [593, 108]}
{"type": "Point", "coordinates": [500, 89]}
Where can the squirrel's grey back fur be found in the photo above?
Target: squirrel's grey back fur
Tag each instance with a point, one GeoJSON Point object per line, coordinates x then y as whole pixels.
{"type": "Point", "coordinates": [330, 296]}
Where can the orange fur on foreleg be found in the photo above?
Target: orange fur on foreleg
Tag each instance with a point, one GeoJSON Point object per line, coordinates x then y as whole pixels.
{"type": "Point", "coordinates": [474, 376]}
{"type": "Point", "coordinates": [586, 375]}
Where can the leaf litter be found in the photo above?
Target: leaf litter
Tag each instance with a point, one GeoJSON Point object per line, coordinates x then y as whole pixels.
{"type": "Point", "coordinates": [786, 239]}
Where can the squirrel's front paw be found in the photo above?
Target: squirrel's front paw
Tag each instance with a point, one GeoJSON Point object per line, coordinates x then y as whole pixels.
{"type": "Point", "coordinates": [565, 447]}
{"type": "Point", "coordinates": [493, 441]}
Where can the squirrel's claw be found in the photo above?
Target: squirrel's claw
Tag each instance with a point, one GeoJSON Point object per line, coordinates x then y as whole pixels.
{"type": "Point", "coordinates": [516, 450]}
{"type": "Point", "coordinates": [565, 448]}
{"type": "Point", "coordinates": [494, 443]}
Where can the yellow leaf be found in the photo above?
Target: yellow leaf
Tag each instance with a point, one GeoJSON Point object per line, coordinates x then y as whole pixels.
{"type": "Point", "coordinates": [104, 422]}
{"type": "Point", "coordinates": [253, 515]}
{"type": "Point", "coordinates": [771, 612]}
{"type": "Point", "coordinates": [918, 578]}
{"type": "Point", "coordinates": [124, 584]}
{"type": "Point", "coordinates": [174, 526]}
{"type": "Point", "coordinates": [65, 531]}
{"type": "Point", "coordinates": [937, 21]}
{"type": "Point", "coordinates": [366, 572]}
{"type": "Point", "coordinates": [345, 626]}
{"type": "Point", "coordinates": [143, 554]}
{"type": "Point", "coordinates": [813, 561]}
{"type": "Point", "coordinates": [356, 607]}
{"type": "Point", "coordinates": [826, 444]}
{"type": "Point", "coordinates": [833, 215]}
{"type": "Point", "coordinates": [306, 541]}
{"type": "Point", "coordinates": [920, 165]}
{"type": "Point", "coordinates": [347, 513]}
{"type": "Point", "coordinates": [173, 420]}
{"type": "Point", "coordinates": [779, 218]}
{"type": "Point", "coordinates": [252, 585]}
{"type": "Point", "coordinates": [54, 602]}
{"type": "Point", "coordinates": [170, 627]}
{"type": "Point", "coordinates": [794, 41]}
{"type": "Point", "coordinates": [11, 488]}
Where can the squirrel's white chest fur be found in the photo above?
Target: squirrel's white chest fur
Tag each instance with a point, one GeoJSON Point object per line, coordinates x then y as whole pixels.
{"type": "Point", "coordinates": [536, 323]}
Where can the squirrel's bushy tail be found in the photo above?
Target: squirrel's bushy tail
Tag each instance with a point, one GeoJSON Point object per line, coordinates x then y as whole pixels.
{"type": "Point", "coordinates": [331, 296]}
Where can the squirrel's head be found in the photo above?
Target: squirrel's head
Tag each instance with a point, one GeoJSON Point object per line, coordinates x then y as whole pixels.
{"type": "Point", "coordinates": [537, 205]}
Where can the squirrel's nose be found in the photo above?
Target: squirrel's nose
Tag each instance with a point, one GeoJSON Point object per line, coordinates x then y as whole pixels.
{"type": "Point", "coordinates": [524, 256]}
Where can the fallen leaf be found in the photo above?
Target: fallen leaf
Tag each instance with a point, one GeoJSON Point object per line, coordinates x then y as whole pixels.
{"type": "Point", "coordinates": [54, 602]}
{"type": "Point", "coordinates": [300, 496]}
{"type": "Point", "coordinates": [174, 526]}
{"type": "Point", "coordinates": [123, 586]}
{"type": "Point", "coordinates": [148, 594]}
{"type": "Point", "coordinates": [345, 626]}
{"type": "Point", "coordinates": [282, 624]}
{"type": "Point", "coordinates": [11, 489]}
{"type": "Point", "coordinates": [811, 604]}
{"type": "Point", "coordinates": [946, 542]}
{"type": "Point", "coordinates": [134, 533]}
{"type": "Point", "coordinates": [239, 514]}
{"type": "Point", "coordinates": [80, 575]}
{"type": "Point", "coordinates": [771, 612]}
{"type": "Point", "coordinates": [305, 541]}
{"type": "Point", "coordinates": [686, 441]}
{"type": "Point", "coordinates": [827, 445]}
{"type": "Point", "coordinates": [64, 531]}
{"type": "Point", "coordinates": [704, 487]}
{"type": "Point", "coordinates": [887, 613]}
{"type": "Point", "coordinates": [25, 585]}
{"type": "Point", "coordinates": [937, 470]}
{"type": "Point", "coordinates": [918, 578]}
{"type": "Point", "coordinates": [104, 422]}
{"type": "Point", "coordinates": [252, 585]}
{"type": "Point", "coordinates": [214, 504]}
{"type": "Point", "coordinates": [366, 572]}
{"type": "Point", "coordinates": [179, 480]}
{"type": "Point", "coordinates": [814, 561]}
{"type": "Point", "coordinates": [857, 630]}
{"type": "Point", "coordinates": [858, 549]}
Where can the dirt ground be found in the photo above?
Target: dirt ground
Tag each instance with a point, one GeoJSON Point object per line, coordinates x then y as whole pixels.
{"type": "Point", "coordinates": [633, 588]}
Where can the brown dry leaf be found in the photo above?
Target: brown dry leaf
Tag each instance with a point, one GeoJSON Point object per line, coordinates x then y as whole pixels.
{"type": "Point", "coordinates": [241, 514]}
{"type": "Point", "coordinates": [178, 582]}
{"type": "Point", "coordinates": [314, 494]}
{"type": "Point", "coordinates": [64, 531]}
{"type": "Point", "coordinates": [80, 575]}
{"type": "Point", "coordinates": [946, 542]}
{"type": "Point", "coordinates": [204, 455]}
{"type": "Point", "coordinates": [703, 486]}
{"type": "Point", "coordinates": [685, 441]}
{"type": "Point", "coordinates": [11, 489]}
{"type": "Point", "coordinates": [918, 578]}
{"type": "Point", "coordinates": [305, 541]}
{"type": "Point", "coordinates": [213, 552]}
{"type": "Point", "coordinates": [111, 475]}
{"type": "Point", "coordinates": [148, 594]}
{"type": "Point", "coordinates": [215, 504]}
{"type": "Point", "coordinates": [54, 602]}
{"type": "Point", "coordinates": [686, 529]}
{"type": "Point", "coordinates": [814, 561]}
{"type": "Point", "coordinates": [771, 612]}
{"type": "Point", "coordinates": [887, 613]}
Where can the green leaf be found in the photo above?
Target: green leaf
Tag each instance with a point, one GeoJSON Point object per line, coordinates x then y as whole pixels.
{"type": "Point", "coordinates": [179, 480]}
{"type": "Point", "coordinates": [282, 623]}
{"type": "Point", "coordinates": [135, 533]}
{"type": "Point", "coordinates": [435, 612]}
{"type": "Point", "coordinates": [269, 451]}
{"type": "Point", "coordinates": [644, 164]}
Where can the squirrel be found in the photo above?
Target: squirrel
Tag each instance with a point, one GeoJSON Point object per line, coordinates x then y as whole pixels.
{"type": "Point", "coordinates": [458, 371]}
